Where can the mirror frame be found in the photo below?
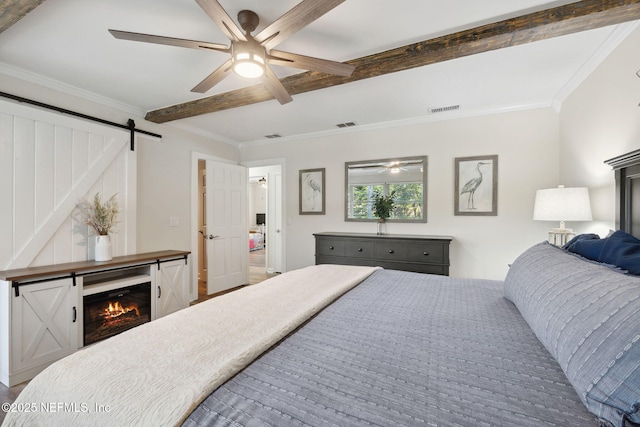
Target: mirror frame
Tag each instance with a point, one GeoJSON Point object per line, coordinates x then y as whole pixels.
{"type": "Point", "coordinates": [425, 169]}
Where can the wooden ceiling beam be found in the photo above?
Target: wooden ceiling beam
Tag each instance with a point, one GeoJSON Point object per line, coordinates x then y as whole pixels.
{"type": "Point", "coordinates": [563, 20]}
{"type": "Point", "coordinates": [14, 10]}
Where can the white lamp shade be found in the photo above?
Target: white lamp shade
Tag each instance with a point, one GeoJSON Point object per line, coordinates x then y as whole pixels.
{"type": "Point", "coordinates": [562, 204]}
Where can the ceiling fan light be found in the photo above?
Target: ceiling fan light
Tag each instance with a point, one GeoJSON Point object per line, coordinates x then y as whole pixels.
{"type": "Point", "coordinates": [248, 62]}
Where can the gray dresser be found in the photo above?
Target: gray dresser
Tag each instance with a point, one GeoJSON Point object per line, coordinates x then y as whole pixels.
{"type": "Point", "coordinates": [408, 252]}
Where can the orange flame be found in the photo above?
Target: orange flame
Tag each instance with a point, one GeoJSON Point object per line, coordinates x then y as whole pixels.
{"type": "Point", "coordinates": [116, 309]}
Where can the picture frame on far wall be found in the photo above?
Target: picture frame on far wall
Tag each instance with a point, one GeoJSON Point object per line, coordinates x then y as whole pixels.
{"type": "Point", "coordinates": [476, 185]}
{"type": "Point", "coordinates": [312, 192]}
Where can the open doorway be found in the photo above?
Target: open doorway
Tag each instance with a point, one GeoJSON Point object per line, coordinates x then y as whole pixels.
{"type": "Point", "coordinates": [202, 227]}
{"type": "Point", "coordinates": [257, 208]}
{"type": "Point", "coordinates": [265, 220]}
{"type": "Point", "coordinates": [274, 232]}
{"type": "Point", "coordinates": [219, 224]}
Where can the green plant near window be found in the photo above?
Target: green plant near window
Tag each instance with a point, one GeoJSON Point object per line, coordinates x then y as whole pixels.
{"type": "Point", "coordinates": [383, 205]}
{"type": "Point", "coordinates": [101, 216]}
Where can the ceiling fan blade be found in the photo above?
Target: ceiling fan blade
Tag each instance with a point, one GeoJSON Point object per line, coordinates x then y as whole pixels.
{"type": "Point", "coordinates": [220, 16]}
{"type": "Point", "coordinates": [272, 83]}
{"type": "Point", "coordinates": [309, 63]}
{"type": "Point", "coordinates": [214, 78]}
{"type": "Point", "coordinates": [295, 19]}
{"type": "Point", "coordinates": [150, 38]}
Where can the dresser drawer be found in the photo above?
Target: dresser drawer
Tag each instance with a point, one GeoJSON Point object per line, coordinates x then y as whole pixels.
{"type": "Point", "coordinates": [432, 253]}
{"type": "Point", "coordinates": [414, 267]}
{"type": "Point", "coordinates": [394, 250]}
{"type": "Point", "coordinates": [332, 247]}
{"type": "Point", "coordinates": [325, 259]}
{"type": "Point", "coordinates": [359, 249]}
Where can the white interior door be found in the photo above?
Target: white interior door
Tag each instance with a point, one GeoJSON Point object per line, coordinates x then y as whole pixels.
{"type": "Point", "coordinates": [227, 231]}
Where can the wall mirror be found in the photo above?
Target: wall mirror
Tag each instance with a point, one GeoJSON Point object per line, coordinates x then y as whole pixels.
{"type": "Point", "coordinates": [407, 176]}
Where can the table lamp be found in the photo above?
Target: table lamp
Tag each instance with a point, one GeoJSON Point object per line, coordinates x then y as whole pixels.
{"type": "Point", "coordinates": [562, 204]}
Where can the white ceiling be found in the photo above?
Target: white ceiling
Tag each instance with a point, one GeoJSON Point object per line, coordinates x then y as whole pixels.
{"type": "Point", "coordinates": [65, 42]}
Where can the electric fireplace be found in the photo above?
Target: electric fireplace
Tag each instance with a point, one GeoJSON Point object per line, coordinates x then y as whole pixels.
{"type": "Point", "coordinates": [108, 313]}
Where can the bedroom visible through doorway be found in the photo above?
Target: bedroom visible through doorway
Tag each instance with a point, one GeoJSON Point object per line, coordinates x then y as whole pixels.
{"type": "Point", "coordinates": [265, 217]}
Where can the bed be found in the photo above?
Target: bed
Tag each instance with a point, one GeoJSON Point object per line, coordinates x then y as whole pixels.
{"type": "Point", "coordinates": [557, 343]}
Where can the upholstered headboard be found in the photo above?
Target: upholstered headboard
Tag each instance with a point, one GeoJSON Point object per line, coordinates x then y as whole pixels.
{"type": "Point", "coordinates": [627, 172]}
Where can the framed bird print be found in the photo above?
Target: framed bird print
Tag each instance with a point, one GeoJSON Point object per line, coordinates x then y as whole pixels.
{"type": "Point", "coordinates": [312, 194]}
{"type": "Point", "coordinates": [476, 186]}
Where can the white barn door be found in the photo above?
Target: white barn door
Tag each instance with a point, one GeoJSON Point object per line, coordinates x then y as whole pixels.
{"type": "Point", "coordinates": [227, 232]}
{"type": "Point", "coordinates": [48, 163]}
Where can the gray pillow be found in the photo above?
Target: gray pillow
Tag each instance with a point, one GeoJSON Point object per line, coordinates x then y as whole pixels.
{"type": "Point", "coordinates": [588, 317]}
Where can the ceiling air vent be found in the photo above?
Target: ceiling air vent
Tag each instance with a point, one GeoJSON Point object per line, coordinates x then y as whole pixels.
{"type": "Point", "coordinates": [444, 109]}
{"type": "Point", "coordinates": [273, 135]}
{"type": "Point", "coordinates": [346, 125]}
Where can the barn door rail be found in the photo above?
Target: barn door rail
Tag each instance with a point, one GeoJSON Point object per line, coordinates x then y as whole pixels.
{"type": "Point", "coordinates": [130, 126]}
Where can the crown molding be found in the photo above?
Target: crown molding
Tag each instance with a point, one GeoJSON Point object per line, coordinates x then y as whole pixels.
{"type": "Point", "coordinates": [207, 134]}
{"type": "Point", "coordinates": [59, 86]}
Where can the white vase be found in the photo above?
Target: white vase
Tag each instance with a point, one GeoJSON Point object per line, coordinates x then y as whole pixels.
{"type": "Point", "coordinates": [103, 248]}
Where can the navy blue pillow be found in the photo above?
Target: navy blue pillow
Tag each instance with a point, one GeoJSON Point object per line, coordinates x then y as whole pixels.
{"type": "Point", "coordinates": [580, 237]}
{"type": "Point", "coordinates": [623, 250]}
{"type": "Point", "coordinates": [589, 248]}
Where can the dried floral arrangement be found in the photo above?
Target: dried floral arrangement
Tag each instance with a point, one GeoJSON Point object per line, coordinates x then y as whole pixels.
{"type": "Point", "coordinates": [101, 216]}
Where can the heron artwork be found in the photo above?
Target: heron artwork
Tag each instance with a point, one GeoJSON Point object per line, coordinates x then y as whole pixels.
{"type": "Point", "coordinates": [472, 185]}
{"type": "Point", "coordinates": [312, 192]}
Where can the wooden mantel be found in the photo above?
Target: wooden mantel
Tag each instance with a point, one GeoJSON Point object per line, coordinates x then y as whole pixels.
{"type": "Point", "coordinates": [66, 269]}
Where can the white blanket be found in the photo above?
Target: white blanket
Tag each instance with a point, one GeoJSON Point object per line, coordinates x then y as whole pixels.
{"type": "Point", "coordinates": [157, 373]}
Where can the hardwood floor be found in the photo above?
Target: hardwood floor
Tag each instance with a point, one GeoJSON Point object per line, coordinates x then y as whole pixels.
{"type": "Point", "coordinates": [257, 274]}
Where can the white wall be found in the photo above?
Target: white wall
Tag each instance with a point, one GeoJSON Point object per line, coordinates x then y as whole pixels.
{"type": "Point", "coordinates": [599, 121]}
{"type": "Point", "coordinates": [164, 187]}
{"type": "Point", "coordinates": [525, 141]}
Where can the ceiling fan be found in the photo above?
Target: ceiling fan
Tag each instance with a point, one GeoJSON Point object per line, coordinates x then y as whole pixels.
{"type": "Point", "coordinates": [251, 55]}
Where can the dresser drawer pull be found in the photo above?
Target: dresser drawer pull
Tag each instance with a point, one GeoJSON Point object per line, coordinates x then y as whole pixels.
{"type": "Point", "coordinates": [359, 249]}
{"type": "Point", "coordinates": [331, 248]}
{"type": "Point", "coordinates": [391, 251]}
{"type": "Point", "coordinates": [425, 253]}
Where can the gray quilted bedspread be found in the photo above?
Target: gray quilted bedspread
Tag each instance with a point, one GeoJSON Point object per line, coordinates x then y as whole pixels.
{"type": "Point", "coordinates": [403, 349]}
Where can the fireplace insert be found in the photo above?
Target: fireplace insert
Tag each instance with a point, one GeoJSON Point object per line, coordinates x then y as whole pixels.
{"type": "Point", "coordinates": [108, 313]}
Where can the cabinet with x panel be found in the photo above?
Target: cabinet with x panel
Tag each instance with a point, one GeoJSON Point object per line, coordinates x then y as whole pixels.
{"type": "Point", "coordinates": [44, 323]}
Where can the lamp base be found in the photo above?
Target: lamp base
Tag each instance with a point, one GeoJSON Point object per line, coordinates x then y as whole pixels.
{"type": "Point", "coordinates": [560, 236]}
